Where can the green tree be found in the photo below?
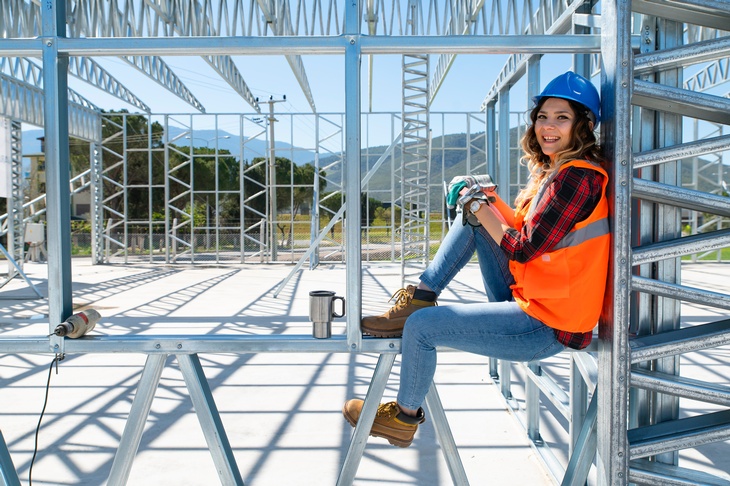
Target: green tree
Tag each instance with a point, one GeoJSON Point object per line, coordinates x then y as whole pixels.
{"type": "Point", "coordinates": [132, 137]}
{"type": "Point", "coordinates": [294, 188]}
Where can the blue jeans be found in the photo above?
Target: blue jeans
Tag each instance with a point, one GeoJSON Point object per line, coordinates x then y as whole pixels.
{"type": "Point", "coordinates": [498, 328]}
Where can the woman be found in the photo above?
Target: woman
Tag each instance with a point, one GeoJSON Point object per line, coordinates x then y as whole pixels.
{"type": "Point", "coordinates": [544, 264]}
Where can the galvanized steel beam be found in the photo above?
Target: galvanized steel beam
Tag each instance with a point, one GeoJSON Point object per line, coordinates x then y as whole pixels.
{"type": "Point", "coordinates": [353, 174]}
{"type": "Point", "coordinates": [680, 341]}
{"type": "Point", "coordinates": [185, 46]}
{"type": "Point", "coordinates": [708, 13]}
{"type": "Point", "coordinates": [669, 99]}
{"type": "Point", "coordinates": [680, 197]}
{"type": "Point", "coordinates": [463, 14]}
{"type": "Point", "coordinates": [680, 292]}
{"type": "Point", "coordinates": [200, 344]}
{"type": "Point", "coordinates": [682, 56]}
{"type": "Point", "coordinates": [651, 473]}
{"type": "Point", "coordinates": [559, 21]}
{"type": "Point", "coordinates": [613, 346]}
{"type": "Point", "coordinates": [24, 103]}
{"type": "Point", "coordinates": [90, 71]}
{"type": "Point", "coordinates": [679, 434]}
{"type": "Point", "coordinates": [56, 123]}
{"type": "Point", "coordinates": [681, 151]}
{"type": "Point", "coordinates": [681, 387]}
{"type": "Point", "coordinates": [280, 24]}
{"type": "Point", "coordinates": [678, 247]}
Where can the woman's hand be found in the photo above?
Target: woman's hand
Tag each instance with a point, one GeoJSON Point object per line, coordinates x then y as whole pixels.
{"type": "Point", "coordinates": [489, 217]}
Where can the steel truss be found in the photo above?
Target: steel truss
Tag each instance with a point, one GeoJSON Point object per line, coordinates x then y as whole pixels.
{"type": "Point", "coordinates": [186, 143]}
{"type": "Point", "coordinates": [415, 162]}
{"type": "Point", "coordinates": [630, 426]}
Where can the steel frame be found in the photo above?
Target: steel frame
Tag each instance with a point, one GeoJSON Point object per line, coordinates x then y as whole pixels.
{"type": "Point", "coordinates": [415, 162]}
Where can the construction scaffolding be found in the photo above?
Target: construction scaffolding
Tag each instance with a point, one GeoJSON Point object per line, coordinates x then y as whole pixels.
{"type": "Point", "coordinates": [661, 68]}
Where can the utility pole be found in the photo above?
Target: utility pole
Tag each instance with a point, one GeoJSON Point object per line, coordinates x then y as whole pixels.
{"type": "Point", "coordinates": [272, 177]}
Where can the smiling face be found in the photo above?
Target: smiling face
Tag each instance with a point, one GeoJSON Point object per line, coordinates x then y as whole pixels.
{"type": "Point", "coordinates": [553, 126]}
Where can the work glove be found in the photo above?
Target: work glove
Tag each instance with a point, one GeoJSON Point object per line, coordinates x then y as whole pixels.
{"type": "Point", "coordinates": [473, 194]}
{"type": "Point", "coordinates": [460, 182]}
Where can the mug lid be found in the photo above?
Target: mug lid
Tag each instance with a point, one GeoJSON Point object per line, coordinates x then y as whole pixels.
{"type": "Point", "coordinates": [321, 293]}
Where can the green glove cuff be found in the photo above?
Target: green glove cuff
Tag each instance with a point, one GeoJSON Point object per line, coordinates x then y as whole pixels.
{"type": "Point", "coordinates": [453, 194]}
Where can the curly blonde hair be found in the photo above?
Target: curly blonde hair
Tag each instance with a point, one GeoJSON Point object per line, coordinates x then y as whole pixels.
{"type": "Point", "coordinates": [583, 146]}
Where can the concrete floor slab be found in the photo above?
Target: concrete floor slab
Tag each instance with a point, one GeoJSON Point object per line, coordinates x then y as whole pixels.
{"type": "Point", "coordinates": [281, 412]}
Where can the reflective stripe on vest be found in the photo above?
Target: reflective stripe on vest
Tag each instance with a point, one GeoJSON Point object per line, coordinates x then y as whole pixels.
{"type": "Point", "coordinates": [575, 238]}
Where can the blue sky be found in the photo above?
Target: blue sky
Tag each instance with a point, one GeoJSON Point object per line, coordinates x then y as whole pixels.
{"type": "Point", "coordinates": [465, 87]}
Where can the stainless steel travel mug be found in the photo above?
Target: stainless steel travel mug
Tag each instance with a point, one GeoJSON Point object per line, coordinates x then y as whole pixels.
{"type": "Point", "coordinates": [322, 311]}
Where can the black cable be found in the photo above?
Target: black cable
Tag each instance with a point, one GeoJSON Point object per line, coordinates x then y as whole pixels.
{"type": "Point", "coordinates": [40, 419]}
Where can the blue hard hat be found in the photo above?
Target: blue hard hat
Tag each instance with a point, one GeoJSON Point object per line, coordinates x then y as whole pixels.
{"type": "Point", "coordinates": [574, 87]}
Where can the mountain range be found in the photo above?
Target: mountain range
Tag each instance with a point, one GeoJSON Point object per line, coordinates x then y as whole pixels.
{"type": "Point", "coordinates": [226, 141]}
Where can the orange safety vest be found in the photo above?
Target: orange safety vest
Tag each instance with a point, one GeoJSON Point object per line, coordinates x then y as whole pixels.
{"type": "Point", "coordinates": [564, 288]}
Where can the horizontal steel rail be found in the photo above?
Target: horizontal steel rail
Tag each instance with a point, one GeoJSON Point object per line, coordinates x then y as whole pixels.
{"type": "Point", "coordinates": [681, 387]}
{"type": "Point", "coordinates": [682, 56]}
{"type": "Point", "coordinates": [679, 434]}
{"type": "Point", "coordinates": [681, 197]}
{"type": "Point", "coordinates": [266, 46]}
{"type": "Point", "coordinates": [682, 151]}
{"type": "Point", "coordinates": [709, 13]}
{"type": "Point", "coordinates": [680, 292]}
{"type": "Point", "coordinates": [190, 343]}
{"type": "Point", "coordinates": [685, 340]}
{"type": "Point", "coordinates": [660, 97]}
{"type": "Point", "coordinates": [652, 473]}
{"type": "Point", "coordinates": [681, 246]}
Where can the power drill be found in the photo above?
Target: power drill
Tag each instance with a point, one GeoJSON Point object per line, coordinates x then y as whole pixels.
{"type": "Point", "coordinates": [78, 324]}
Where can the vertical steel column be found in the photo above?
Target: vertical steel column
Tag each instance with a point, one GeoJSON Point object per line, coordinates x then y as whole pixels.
{"type": "Point", "coordinates": [667, 226]}
{"type": "Point", "coordinates": [492, 163]}
{"type": "Point", "coordinates": [150, 198]}
{"type": "Point", "coordinates": [642, 221]}
{"type": "Point", "coordinates": [533, 80]}
{"type": "Point", "coordinates": [582, 62]}
{"type": "Point", "coordinates": [273, 240]}
{"type": "Point", "coordinates": [16, 232]}
{"type": "Point", "coordinates": [415, 157]}
{"type": "Point", "coordinates": [491, 141]}
{"type": "Point", "coordinates": [55, 114]}
{"type": "Point", "coordinates": [503, 168]}
{"type": "Point", "coordinates": [613, 368]}
{"type": "Point", "coordinates": [241, 194]}
{"type": "Point", "coordinates": [125, 188]}
{"type": "Point", "coordinates": [578, 388]}
{"type": "Point", "coordinates": [97, 206]}
{"type": "Point", "coordinates": [532, 403]}
{"type": "Point", "coordinates": [351, 172]}
{"type": "Point", "coordinates": [169, 222]}
{"type": "Point", "coordinates": [6, 162]}
{"type": "Point", "coordinates": [505, 377]}
{"type": "Point", "coordinates": [532, 392]}
{"type": "Point", "coordinates": [314, 229]}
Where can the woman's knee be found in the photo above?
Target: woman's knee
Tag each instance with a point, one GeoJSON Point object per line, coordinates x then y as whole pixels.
{"type": "Point", "coordinates": [418, 324]}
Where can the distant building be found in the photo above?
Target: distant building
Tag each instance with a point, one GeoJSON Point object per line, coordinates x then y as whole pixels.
{"type": "Point", "coordinates": [36, 185]}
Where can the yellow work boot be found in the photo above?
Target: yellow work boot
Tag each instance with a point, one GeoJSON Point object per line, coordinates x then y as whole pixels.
{"type": "Point", "coordinates": [391, 323]}
{"type": "Point", "coordinates": [390, 423]}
